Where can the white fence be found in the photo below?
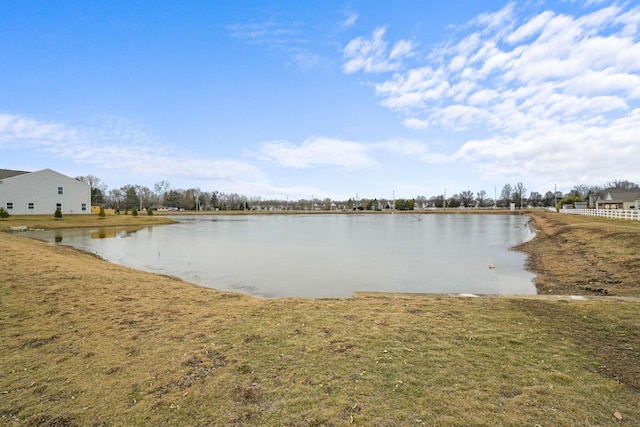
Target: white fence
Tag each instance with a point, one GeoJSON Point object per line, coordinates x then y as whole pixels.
{"type": "Point", "coordinates": [606, 213]}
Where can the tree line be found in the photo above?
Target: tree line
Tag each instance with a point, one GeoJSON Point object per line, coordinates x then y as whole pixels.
{"type": "Point", "coordinates": [163, 195]}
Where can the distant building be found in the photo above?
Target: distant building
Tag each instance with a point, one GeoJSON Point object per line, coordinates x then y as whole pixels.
{"type": "Point", "coordinates": [42, 192]}
{"type": "Point", "coordinates": [615, 198]}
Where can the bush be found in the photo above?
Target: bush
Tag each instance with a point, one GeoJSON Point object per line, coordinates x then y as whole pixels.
{"type": "Point", "coordinates": [569, 200]}
{"type": "Point", "coordinates": [149, 211]}
{"type": "Point", "coordinates": [134, 212]}
{"type": "Point", "coordinates": [4, 214]}
{"type": "Point", "coordinates": [101, 214]}
{"type": "Point", "coordinates": [58, 214]}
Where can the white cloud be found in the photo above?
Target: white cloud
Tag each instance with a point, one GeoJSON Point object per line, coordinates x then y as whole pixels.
{"type": "Point", "coordinates": [350, 20]}
{"type": "Point", "coordinates": [563, 151]}
{"type": "Point", "coordinates": [265, 32]}
{"type": "Point", "coordinates": [118, 147]}
{"type": "Point", "coordinates": [344, 154]}
{"type": "Point", "coordinates": [530, 28]}
{"type": "Point", "coordinates": [414, 123]}
{"type": "Point", "coordinates": [372, 55]}
{"type": "Point", "coordinates": [401, 49]}
{"type": "Point", "coordinates": [304, 58]}
{"type": "Point", "coordinates": [561, 53]}
{"type": "Point", "coordinates": [483, 97]}
{"type": "Point", "coordinates": [279, 38]}
{"type": "Point", "coordinates": [553, 90]}
{"type": "Point", "coordinates": [17, 130]}
{"type": "Point", "coordinates": [411, 149]}
{"type": "Point", "coordinates": [496, 21]}
{"type": "Point", "coordinates": [318, 151]}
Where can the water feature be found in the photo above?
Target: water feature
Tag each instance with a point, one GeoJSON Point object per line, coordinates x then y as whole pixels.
{"type": "Point", "coordinates": [323, 255]}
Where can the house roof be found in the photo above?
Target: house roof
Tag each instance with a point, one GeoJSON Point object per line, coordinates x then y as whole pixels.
{"type": "Point", "coordinates": [619, 194]}
{"type": "Point", "coordinates": [7, 173]}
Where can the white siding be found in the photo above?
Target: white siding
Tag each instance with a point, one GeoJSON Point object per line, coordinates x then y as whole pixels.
{"type": "Point", "coordinates": [38, 193]}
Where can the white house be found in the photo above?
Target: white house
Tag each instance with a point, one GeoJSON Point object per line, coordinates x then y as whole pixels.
{"type": "Point", "coordinates": [42, 192]}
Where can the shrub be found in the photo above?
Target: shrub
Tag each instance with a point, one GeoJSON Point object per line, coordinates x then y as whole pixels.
{"type": "Point", "coordinates": [4, 214]}
{"type": "Point", "coordinates": [58, 214]}
{"type": "Point", "coordinates": [569, 200]}
{"type": "Point", "coordinates": [149, 211]}
{"type": "Point", "coordinates": [101, 214]}
{"type": "Point", "coordinates": [134, 212]}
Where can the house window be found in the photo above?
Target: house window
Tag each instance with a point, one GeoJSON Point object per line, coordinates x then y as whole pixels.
{"type": "Point", "coordinates": [59, 206]}
{"type": "Point", "coordinates": [30, 205]}
{"type": "Point", "coordinates": [60, 190]}
{"type": "Point", "coordinates": [9, 205]}
{"type": "Point", "coordinates": [84, 206]}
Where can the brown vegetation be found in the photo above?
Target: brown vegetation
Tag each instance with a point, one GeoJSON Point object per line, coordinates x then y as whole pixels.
{"type": "Point", "coordinates": [585, 255]}
{"type": "Point", "coordinates": [85, 342]}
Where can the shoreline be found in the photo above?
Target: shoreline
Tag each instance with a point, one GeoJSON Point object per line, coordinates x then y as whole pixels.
{"type": "Point", "coordinates": [518, 279]}
{"type": "Point", "coordinates": [545, 228]}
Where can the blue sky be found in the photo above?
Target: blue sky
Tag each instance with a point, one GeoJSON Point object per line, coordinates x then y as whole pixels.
{"type": "Point", "coordinates": [325, 99]}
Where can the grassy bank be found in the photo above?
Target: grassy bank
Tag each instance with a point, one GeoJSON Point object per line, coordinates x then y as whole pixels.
{"type": "Point", "coordinates": [81, 221]}
{"type": "Point", "coordinates": [584, 255]}
{"type": "Point", "coordinates": [85, 342]}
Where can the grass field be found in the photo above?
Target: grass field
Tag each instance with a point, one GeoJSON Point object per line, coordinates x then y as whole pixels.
{"type": "Point", "coordinates": [85, 342]}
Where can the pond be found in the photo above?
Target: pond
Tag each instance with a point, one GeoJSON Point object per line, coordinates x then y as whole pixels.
{"type": "Point", "coordinates": [318, 255]}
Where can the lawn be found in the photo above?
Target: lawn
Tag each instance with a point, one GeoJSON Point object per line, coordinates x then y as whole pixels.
{"type": "Point", "coordinates": [85, 342]}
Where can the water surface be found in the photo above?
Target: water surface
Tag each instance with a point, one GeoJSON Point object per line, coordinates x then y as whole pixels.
{"type": "Point", "coordinates": [323, 255]}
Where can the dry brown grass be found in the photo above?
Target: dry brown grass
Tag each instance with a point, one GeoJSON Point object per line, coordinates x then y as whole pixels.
{"type": "Point", "coordinates": [81, 221]}
{"type": "Point", "coordinates": [85, 342]}
{"type": "Point", "coordinates": [585, 255]}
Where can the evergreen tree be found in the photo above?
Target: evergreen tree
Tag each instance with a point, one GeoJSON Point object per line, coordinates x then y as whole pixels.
{"type": "Point", "coordinates": [4, 214]}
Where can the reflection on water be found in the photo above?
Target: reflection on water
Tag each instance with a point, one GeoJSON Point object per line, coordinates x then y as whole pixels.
{"type": "Point", "coordinates": [113, 232]}
{"type": "Point", "coordinates": [78, 237]}
{"type": "Point", "coordinates": [324, 255]}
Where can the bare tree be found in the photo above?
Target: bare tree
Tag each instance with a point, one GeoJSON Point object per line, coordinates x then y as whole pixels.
{"type": "Point", "coordinates": [535, 199]}
{"type": "Point", "coordinates": [215, 200]}
{"type": "Point", "coordinates": [437, 201]}
{"type": "Point", "coordinates": [481, 197]}
{"type": "Point", "coordinates": [506, 194]}
{"type": "Point", "coordinates": [454, 201]}
{"type": "Point", "coordinates": [161, 189]}
{"type": "Point", "coordinates": [115, 197]}
{"type": "Point", "coordinates": [98, 188]}
{"type": "Point", "coordinates": [519, 194]}
{"type": "Point", "coordinates": [145, 195]}
{"type": "Point", "coordinates": [581, 191]}
{"type": "Point", "coordinates": [549, 199]}
{"type": "Point", "coordinates": [622, 184]}
{"type": "Point", "coordinates": [466, 198]}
